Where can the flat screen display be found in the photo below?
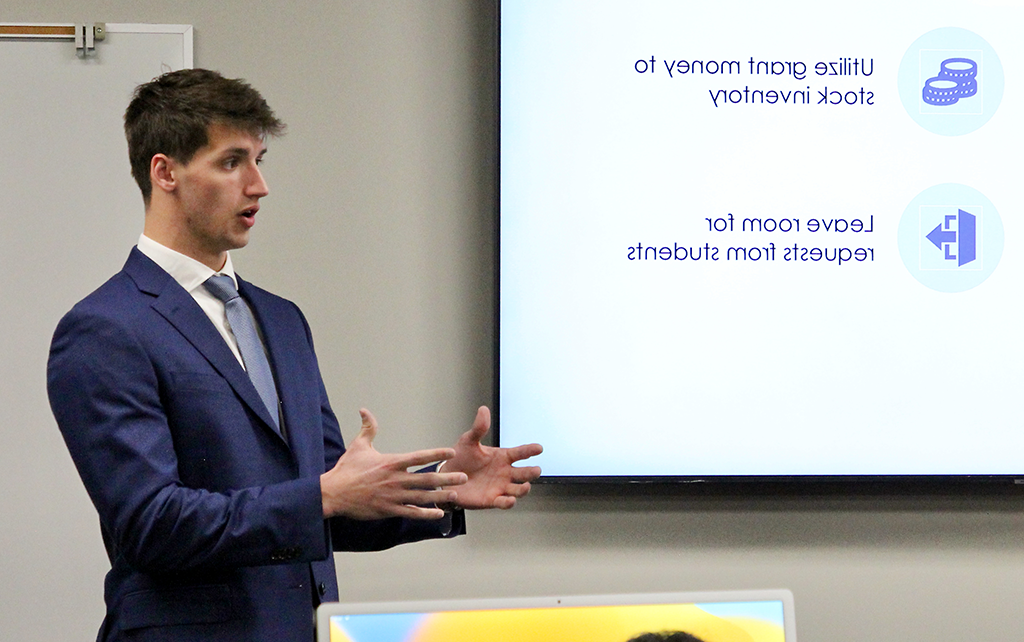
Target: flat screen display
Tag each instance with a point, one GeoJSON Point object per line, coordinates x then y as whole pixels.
{"type": "Point", "coordinates": [762, 239]}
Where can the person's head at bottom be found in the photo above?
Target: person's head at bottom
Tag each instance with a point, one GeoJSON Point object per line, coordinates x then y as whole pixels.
{"type": "Point", "coordinates": [666, 636]}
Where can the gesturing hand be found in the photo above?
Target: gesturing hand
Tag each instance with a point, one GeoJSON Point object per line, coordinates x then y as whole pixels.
{"type": "Point", "coordinates": [493, 481]}
{"type": "Point", "coordinates": [366, 484]}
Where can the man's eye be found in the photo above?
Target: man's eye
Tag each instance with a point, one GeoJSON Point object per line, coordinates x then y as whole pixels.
{"type": "Point", "coordinates": [231, 163]}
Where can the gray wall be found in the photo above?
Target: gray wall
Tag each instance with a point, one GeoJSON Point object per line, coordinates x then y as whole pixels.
{"type": "Point", "coordinates": [383, 192]}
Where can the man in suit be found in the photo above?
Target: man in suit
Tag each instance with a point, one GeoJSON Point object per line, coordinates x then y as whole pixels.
{"type": "Point", "coordinates": [198, 420]}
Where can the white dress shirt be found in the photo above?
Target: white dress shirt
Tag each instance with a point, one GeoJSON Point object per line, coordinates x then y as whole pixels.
{"type": "Point", "coordinates": [191, 274]}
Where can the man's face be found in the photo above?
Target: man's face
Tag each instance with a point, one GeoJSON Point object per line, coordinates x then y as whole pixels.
{"type": "Point", "coordinates": [218, 194]}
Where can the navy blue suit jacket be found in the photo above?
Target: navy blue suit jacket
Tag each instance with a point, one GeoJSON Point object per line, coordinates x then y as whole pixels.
{"type": "Point", "coordinates": [212, 522]}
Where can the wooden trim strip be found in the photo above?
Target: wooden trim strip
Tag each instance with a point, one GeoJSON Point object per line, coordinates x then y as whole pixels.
{"type": "Point", "coordinates": [38, 31]}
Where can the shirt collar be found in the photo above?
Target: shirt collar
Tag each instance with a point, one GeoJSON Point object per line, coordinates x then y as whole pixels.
{"type": "Point", "coordinates": [188, 272]}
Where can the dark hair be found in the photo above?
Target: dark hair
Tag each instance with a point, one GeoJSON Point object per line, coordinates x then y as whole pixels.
{"type": "Point", "coordinates": [666, 636]}
{"type": "Point", "coordinates": [172, 114]}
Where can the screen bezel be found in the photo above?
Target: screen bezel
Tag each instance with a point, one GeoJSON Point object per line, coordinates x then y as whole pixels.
{"type": "Point", "coordinates": [722, 485]}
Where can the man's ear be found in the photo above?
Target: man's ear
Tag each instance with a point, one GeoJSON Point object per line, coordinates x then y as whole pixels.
{"type": "Point", "coordinates": [163, 173]}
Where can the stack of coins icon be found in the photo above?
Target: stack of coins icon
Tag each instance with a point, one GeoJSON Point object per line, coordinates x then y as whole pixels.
{"type": "Point", "coordinates": [957, 79]}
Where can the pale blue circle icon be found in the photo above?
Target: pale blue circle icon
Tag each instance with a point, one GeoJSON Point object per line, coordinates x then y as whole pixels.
{"type": "Point", "coordinates": [951, 81]}
{"type": "Point", "coordinates": [950, 237]}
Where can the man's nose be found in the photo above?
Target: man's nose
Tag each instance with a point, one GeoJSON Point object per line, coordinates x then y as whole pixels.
{"type": "Point", "coordinates": [258, 185]}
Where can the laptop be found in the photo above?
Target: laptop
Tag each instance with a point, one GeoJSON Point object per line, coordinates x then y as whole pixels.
{"type": "Point", "coordinates": [717, 616]}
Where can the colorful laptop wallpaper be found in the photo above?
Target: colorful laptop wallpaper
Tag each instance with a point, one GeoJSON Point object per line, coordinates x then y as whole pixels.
{"type": "Point", "coordinates": [756, 621]}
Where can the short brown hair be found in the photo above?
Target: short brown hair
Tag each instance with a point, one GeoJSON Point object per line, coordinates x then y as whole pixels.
{"type": "Point", "coordinates": [172, 114]}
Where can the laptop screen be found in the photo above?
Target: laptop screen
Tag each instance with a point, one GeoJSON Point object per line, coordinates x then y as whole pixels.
{"type": "Point", "coordinates": [748, 616]}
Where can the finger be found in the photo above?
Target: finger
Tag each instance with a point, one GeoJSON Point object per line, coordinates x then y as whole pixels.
{"type": "Point", "coordinates": [431, 498]}
{"type": "Point", "coordinates": [518, 490]}
{"type": "Point", "coordinates": [504, 502]}
{"type": "Point", "coordinates": [474, 435]}
{"type": "Point", "coordinates": [419, 512]}
{"type": "Point", "coordinates": [423, 457]}
{"type": "Point", "coordinates": [437, 480]}
{"type": "Point", "coordinates": [508, 499]}
{"type": "Point", "coordinates": [525, 474]}
{"type": "Point", "coordinates": [481, 424]}
{"type": "Point", "coordinates": [525, 451]}
{"type": "Point", "coordinates": [368, 431]}
{"type": "Point", "coordinates": [483, 418]}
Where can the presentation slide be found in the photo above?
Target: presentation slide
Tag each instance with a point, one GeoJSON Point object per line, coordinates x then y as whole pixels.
{"type": "Point", "coordinates": [762, 238]}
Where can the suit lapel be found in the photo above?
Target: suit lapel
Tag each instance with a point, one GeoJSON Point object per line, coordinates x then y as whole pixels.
{"type": "Point", "coordinates": [181, 311]}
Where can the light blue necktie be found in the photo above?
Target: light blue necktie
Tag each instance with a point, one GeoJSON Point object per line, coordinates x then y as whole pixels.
{"type": "Point", "coordinates": [244, 327]}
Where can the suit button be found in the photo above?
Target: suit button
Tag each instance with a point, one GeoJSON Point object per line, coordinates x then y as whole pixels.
{"type": "Point", "coordinates": [322, 588]}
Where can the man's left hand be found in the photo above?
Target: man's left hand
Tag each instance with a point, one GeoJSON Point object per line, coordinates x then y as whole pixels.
{"type": "Point", "coordinates": [493, 481]}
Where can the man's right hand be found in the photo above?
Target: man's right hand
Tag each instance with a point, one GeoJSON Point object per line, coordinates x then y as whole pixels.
{"type": "Point", "coordinates": [366, 484]}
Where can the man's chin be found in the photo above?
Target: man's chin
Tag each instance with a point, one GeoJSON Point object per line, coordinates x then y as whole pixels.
{"type": "Point", "coordinates": [239, 240]}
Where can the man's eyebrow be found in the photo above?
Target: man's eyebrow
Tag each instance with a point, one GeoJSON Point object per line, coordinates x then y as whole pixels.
{"type": "Point", "coordinates": [242, 151]}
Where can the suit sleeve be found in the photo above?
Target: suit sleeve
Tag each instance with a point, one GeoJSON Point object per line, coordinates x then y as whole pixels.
{"type": "Point", "coordinates": [374, 535]}
{"type": "Point", "coordinates": [107, 398]}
